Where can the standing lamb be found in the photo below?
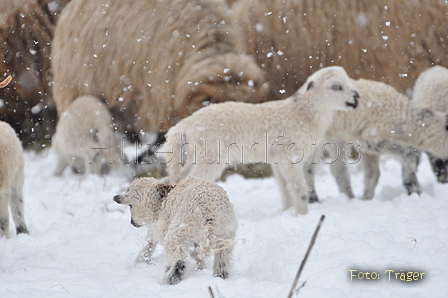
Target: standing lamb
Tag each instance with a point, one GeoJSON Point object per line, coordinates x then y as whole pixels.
{"type": "Point", "coordinates": [11, 181]}
{"type": "Point", "coordinates": [152, 62]}
{"type": "Point", "coordinates": [231, 133]}
{"type": "Point", "coordinates": [84, 136]}
{"type": "Point", "coordinates": [431, 91]}
{"type": "Point", "coordinates": [382, 40]}
{"type": "Point", "coordinates": [194, 214]}
{"type": "Point", "coordinates": [384, 122]}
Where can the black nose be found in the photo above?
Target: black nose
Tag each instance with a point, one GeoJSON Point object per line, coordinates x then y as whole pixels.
{"type": "Point", "coordinates": [117, 198]}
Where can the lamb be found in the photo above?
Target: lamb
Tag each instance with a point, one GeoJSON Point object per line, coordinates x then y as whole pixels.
{"type": "Point", "coordinates": [384, 122]}
{"type": "Point", "coordinates": [11, 181]}
{"type": "Point", "coordinates": [274, 133]}
{"type": "Point", "coordinates": [83, 131]}
{"type": "Point", "coordinates": [193, 214]}
{"type": "Point", "coordinates": [26, 33]}
{"type": "Point", "coordinates": [388, 41]}
{"type": "Point", "coordinates": [431, 91]}
{"type": "Point", "coordinates": [152, 62]}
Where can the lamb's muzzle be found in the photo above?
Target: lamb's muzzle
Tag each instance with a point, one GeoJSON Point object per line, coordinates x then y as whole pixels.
{"type": "Point", "coordinates": [356, 99]}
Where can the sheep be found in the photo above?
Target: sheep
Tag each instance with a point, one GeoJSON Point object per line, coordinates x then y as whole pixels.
{"type": "Point", "coordinates": [193, 214]}
{"type": "Point", "coordinates": [431, 91]}
{"type": "Point", "coordinates": [237, 133]}
{"type": "Point", "coordinates": [388, 41]}
{"type": "Point", "coordinates": [83, 131]}
{"type": "Point", "coordinates": [11, 181]}
{"type": "Point", "coordinates": [152, 62]}
{"type": "Point", "coordinates": [385, 122]}
{"type": "Point", "coordinates": [26, 33]}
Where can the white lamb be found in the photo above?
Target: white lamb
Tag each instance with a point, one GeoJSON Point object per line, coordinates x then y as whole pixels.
{"type": "Point", "coordinates": [11, 181]}
{"type": "Point", "coordinates": [431, 91]}
{"type": "Point", "coordinates": [84, 137]}
{"type": "Point", "coordinates": [384, 122]}
{"type": "Point", "coordinates": [276, 133]}
{"type": "Point", "coordinates": [194, 214]}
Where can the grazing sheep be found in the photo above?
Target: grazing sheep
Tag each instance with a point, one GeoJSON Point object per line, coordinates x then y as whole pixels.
{"type": "Point", "coordinates": [431, 91]}
{"type": "Point", "coordinates": [269, 133]}
{"type": "Point", "coordinates": [26, 33]}
{"type": "Point", "coordinates": [84, 136]}
{"type": "Point", "coordinates": [153, 62]}
{"type": "Point", "coordinates": [384, 122]}
{"type": "Point", "coordinates": [388, 41]}
{"type": "Point", "coordinates": [193, 214]}
{"type": "Point", "coordinates": [11, 181]}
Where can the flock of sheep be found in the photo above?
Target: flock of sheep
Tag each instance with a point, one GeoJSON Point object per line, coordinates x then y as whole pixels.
{"type": "Point", "coordinates": [200, 74]}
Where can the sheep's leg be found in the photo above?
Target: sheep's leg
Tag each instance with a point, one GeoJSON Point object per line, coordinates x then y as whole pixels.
{"type": "Point", "coordinates": [309, 177]}
{"type": "Point", "coordinates": [4, 213]}
{"type": "Point", "coordinates": [206, 171]}
{"type": "Point", "coordinates": [410, 160]}
{"type": "Point", "coordinates": [281, 182]}
{"type": "Point", "coordinates": [221, 263]}
{"type": "Point", "coordinates": [195, 255]}
{"type": "Point", "coordinates": [145, 254]}
{"type": "Point", "coordinates": [17, 208]}
{"type": "Point", "coordinates": [439, 167]}
{"type": "Point", "coordinates": [339, 170]}
{"type": "Point", "coordinates": [372, 174]}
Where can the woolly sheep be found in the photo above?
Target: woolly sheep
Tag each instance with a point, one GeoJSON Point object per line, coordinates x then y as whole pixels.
{"type": "Point", "coordinates": [26, 33]}
{"type": "Point", "coordinates": [84, 136]}
{"type": "Point", "coordinates": [269, 133]}
{"type": "Point", "coordinates": [384, 122]}
{"type": "Point", "coordinates": [11, 181]}
{"type": "Point", "coordinates": [153, 62]}
{"type": "Point", "coordinates": [193, 214]}
{"type": "Point", "coordinates": [431, 91]}
{"type": "Point", "coordinates": [388, 41]}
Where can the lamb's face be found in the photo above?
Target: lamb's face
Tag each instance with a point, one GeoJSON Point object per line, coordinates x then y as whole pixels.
{"type": "Point", "coordinates": [332, 86]}
{"type": "Point", "coordinates": [143, 199]}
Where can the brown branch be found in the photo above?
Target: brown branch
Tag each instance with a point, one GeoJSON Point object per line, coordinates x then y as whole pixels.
{"type": "Point", "coordinates": [296, 280]}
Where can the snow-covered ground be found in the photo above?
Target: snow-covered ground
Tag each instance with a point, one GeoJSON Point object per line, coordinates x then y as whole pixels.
{"type": "Point", "coordinates": [81, 243]}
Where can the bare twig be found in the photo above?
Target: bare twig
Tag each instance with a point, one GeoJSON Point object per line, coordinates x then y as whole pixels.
{"type": "Point", "coordinates": [211, 292]}
{"type": "Point", "coordinates": [296, 280]}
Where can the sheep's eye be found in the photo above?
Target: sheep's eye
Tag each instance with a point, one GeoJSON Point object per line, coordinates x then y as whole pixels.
{"type": "Point", "coordinates": [336, 87]}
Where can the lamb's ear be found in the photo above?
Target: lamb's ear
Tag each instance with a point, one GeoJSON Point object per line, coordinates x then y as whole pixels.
{"type": "Point", "coordinates": [121, 199]}
{"type": "Point", "coordinates": [163, 189]}
{"type": "Point", "coordinates": [310, 85]}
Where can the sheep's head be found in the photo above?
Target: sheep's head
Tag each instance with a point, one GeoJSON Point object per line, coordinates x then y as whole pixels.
{"type": "Point", "coordinates": [226, 77]}
{"type": "Point", "coordinates": [144, 197]}
{"type": "Point", "coordinates": [333, 87]}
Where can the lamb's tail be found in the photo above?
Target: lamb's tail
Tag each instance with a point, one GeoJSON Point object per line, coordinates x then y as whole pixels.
{"type": "Point", "coordinates": [177, 150]}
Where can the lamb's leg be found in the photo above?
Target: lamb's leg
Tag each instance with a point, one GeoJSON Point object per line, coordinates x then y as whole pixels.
{"type": "Point", "coordinates": [339, 170]}
{"type": "Point", "coordinates": [17, 208]}
{"type": "Point", "coordinates": [309, 177]}
{"type": "Point", "coordinates": [371, 168]}
{"type": "Point", "coordinates": [281, 182]}
{"type": "Point", "coordinates": [294, 185]}
{"type": "Point", "coordinates": [145, 254]}
{"type": "Point", "coordinates": [4, 213]}
{"type": "Point", "coordinates": [195, 255]}
{"type": "Point", "coordinates": [174, 252]}
{"type": "Point", "coordinates": [439, 167]}
{"type": "Point", "coordinates": [221, 263]}
{"type": "Point", "coordinates": [410, 160]}
{"type": "Point", "coordinates": [61, 165]}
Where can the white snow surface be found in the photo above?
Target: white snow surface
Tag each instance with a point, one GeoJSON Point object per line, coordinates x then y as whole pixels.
{"type": "Point", "coordinates": [81, 243]}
